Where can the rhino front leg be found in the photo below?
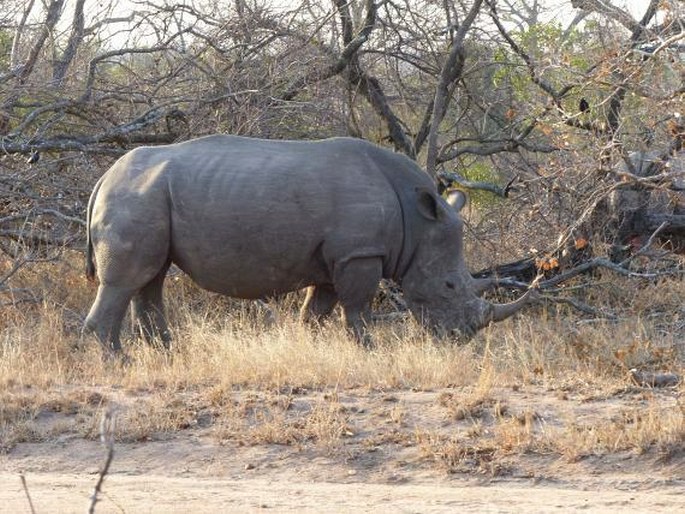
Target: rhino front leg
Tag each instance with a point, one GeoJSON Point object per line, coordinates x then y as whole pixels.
{"type": "Point", "coordinates": [355, 283]}
{"type": "Point", "coordinates": [107, 313]}
{"type": "Point", "coordinates": [318, 303]}
{"type": "Point", "coordinates": [148, 310]}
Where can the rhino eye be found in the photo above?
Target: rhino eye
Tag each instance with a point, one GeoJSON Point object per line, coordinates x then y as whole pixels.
{"type": "Point", "coordinates": [449, 284]}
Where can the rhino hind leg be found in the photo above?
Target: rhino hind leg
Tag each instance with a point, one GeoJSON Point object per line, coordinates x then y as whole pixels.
{"type": "Point", "coordinates": [318, 303]}
{"type": "Point", "coordinates": [129, 263]}
{"type": "Point", "coordinates": [149, 313]}
{"type": "Point", "coordinates": [107, 313]}
{"type": "Point", "coordinates": [356, 283]}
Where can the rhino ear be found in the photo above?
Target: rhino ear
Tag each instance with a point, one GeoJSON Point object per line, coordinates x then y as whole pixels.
{"type": "Point", "coordinates": [457, 199]}
{"type": "Point", "coordinates": [429, 204]}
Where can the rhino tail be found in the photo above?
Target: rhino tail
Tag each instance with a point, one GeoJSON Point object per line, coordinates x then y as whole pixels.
{"type": "Point", "coordinates": [90, 262]}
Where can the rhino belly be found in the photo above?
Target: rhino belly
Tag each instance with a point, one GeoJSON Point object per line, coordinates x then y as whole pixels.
{"type": "Point", "coordinates": [244, 262]}
{"type": "Point", "coordinates": [250, 279]}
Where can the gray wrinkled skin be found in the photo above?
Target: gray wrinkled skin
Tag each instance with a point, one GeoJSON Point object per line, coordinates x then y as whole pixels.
{"type": "Point", "coordinates": [252, 218]}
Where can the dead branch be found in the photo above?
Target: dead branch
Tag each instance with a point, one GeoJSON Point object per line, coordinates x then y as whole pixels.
{"type": "Point", "coordinates": [77, 33]}
{"type": "Point", "coordinates": [488, 148]}
{"type": "Point", "coordinates": [131, 133]}
{"type": "Point", "coordinates": [16, 41]}
{"type": "Point", "coordinates": [21, 72]}
{"type": "Point", "coordinates": [372, 90]}
{"type": "Point", "coordinates": [35, 239]}
{"type": "Point", "coordinates": [62, 216]}
{"type": "Point", "coordinates": [602, 262]}
{"type": "Point", "coordinates": [527, 59]}
{"type": "Point", "coordinates": [16, 266]}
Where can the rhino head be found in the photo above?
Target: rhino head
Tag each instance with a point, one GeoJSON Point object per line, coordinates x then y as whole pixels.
{"type": "Point", "coordinates": [437, 286]}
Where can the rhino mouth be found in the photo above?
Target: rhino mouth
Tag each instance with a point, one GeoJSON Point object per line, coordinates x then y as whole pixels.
{"type": "Point", "coordinates": [478, 315]}
{"type": "Point", "coordinates": [463, 334]}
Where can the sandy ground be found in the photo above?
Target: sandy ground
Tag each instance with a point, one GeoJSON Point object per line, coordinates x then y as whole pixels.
{"type": "Point", "coordinates": [193, 470]}
{"type": "Point", "coordinates": [53, 492]}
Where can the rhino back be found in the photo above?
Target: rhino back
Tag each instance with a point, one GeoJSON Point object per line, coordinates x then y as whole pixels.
{"type": "Point", "coordinates": [253, 217]}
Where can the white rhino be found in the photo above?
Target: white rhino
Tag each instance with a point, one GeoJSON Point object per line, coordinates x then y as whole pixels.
{"type": "Point", "coordinates": [251, 218]}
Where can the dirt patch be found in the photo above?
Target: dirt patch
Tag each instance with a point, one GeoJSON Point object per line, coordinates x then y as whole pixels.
{"type": "Point", "coordinates": [501, 449]}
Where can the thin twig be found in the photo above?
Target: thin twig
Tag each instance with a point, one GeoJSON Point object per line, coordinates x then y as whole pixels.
{"type": "Point", "coordinates": [26, 490]}
{"type": "Point", "coordinates": [107, 437]}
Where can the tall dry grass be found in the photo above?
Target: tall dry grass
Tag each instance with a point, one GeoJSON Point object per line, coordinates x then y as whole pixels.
{"type": "Point", "coordinates": [230, 342]}
{"type": "Point", "coordinates": [224, 347]}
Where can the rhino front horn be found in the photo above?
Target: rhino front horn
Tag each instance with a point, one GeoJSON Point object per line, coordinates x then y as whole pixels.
{"type": "Point", "coordinates": [505, 310]}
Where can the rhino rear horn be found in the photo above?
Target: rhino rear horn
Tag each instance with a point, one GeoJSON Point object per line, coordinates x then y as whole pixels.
{"type": "Point", "coordinates": [457, 199]}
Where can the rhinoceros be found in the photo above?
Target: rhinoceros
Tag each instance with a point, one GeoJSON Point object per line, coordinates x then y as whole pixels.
{"type": "Point", "coordinates": [251, 218]}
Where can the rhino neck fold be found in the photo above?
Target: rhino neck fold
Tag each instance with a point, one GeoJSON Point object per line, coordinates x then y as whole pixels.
{"type": "Point", "coordinates": [408, 239]}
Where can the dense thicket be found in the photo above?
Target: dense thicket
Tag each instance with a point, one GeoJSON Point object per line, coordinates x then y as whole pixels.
{"type": "Point", "coordinates": [577, 103]}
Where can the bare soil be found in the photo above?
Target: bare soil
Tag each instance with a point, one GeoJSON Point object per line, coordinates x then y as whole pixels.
{"type": "Point", "coordinates": [379, 451]}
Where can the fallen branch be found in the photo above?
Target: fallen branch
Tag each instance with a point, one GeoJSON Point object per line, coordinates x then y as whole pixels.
{"type": "Point", "coordinates": [582, 307]}
{"type": "Point", "coordinates": [603, 262]}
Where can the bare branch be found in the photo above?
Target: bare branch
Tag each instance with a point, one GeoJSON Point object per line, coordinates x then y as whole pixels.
{"type": "Point", "coordinates": [610, 11]}
{"type": "Point", "coordinates": [54, 12]}
{"type": "Point", "coordinates": [77, 33]}
{"type": "Point", "coordinates": [603, 262]}
{"type": "Point", "coordinates": [14, 54]}
{"type": "Point", "coordinates": [348, 53]}
{"type": "Point", "coordinates": [450, 73]}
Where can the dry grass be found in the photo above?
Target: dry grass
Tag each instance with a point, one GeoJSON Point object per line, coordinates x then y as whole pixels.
{"type": "Point", "coordinates": [250, 383]}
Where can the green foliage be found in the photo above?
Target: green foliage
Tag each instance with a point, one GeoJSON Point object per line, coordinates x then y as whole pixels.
{"type": "Point", "coordinates": [479, 171]}
{"type": "Point", "coordinates": [567, 53]}
{"type": "Point", "coordinates": [540, 38]}
{"type": "Point", "coordinates": [5, 48]}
